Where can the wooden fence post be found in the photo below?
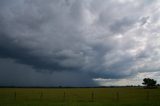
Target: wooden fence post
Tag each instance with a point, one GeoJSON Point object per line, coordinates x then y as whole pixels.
{"type": "Point", "coordinates": [64, 96]}
{"type": "Point", "coordinates": [15, 95]}
{"type": "Point", "coordinates": [92, 96]}
{"type": "Point", "coordinates": [117, 96]}
{"type": "Point", "coordinates": [148, 96]}
{"type": "Point", "coordinates": [41, 96]}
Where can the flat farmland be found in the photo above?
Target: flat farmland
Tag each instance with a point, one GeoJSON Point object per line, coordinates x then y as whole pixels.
{"type": "Point", "coordinates": [79, 97]}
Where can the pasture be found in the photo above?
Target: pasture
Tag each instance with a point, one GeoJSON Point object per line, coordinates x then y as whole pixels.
{"type": "Point", "coordinates": [79, 97]}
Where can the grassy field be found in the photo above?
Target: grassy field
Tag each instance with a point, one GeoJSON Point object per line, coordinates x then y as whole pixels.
{"type": "Point", "coordinates": [79, 97]}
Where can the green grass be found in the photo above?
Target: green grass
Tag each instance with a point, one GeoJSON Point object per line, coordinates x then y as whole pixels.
{"type": "Point", "coordinates": [79, 97]}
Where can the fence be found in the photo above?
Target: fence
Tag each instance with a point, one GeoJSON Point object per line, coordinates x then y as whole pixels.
{"type": "Point", "coordinates": [79, 97]}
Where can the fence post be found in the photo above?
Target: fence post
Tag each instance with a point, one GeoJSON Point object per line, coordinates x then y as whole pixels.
{"type": "Point", "coordinates": [117, 96]}
{"type": "Point", "coordinates": [64, 96]}
{"type": "Point", "coordinates": [15, 95]}
{"type": "Point", "coordinates": [41, 96]}
{"type": "Point", "coordinates": [92, 96]}
{"type": "Point", "coordinates": [148, 96]}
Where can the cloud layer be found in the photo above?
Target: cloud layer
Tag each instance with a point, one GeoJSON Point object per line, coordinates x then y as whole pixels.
{"type": "Point", "coordinates": [111, 39]}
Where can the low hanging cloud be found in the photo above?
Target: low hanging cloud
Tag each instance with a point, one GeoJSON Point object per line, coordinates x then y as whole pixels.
{"type": "Point", "coordinates": [110, 39]}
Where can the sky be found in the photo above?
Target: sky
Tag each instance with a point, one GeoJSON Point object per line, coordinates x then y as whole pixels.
{"type": "Point", "coordinates": [79, 42]}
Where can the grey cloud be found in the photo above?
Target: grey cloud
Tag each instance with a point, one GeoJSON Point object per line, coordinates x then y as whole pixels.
{"type": "Point", "coordinates": [15, 74]}
{"type": "Point", "coordinates": [144, 20]}
{"type": "Point", "coordinates": [122, 25]}
{"type": "Point", "coordinates": [100, 39]}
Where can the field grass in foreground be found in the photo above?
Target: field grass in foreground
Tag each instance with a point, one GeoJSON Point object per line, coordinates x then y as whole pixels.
{"type": "Point", "coordinates": [79, 97]}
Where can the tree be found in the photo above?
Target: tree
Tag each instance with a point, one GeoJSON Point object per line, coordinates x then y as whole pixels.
{"type": "Point", "coordinates": [149, 83]}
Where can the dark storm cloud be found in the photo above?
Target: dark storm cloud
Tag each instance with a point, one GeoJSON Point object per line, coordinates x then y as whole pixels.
{"type": "Point", "coordinates": [99, 39]}
{"type": "Point", "coordinates": [23, 55]}
{"type": "Point", "coordinates": [23, 75]}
